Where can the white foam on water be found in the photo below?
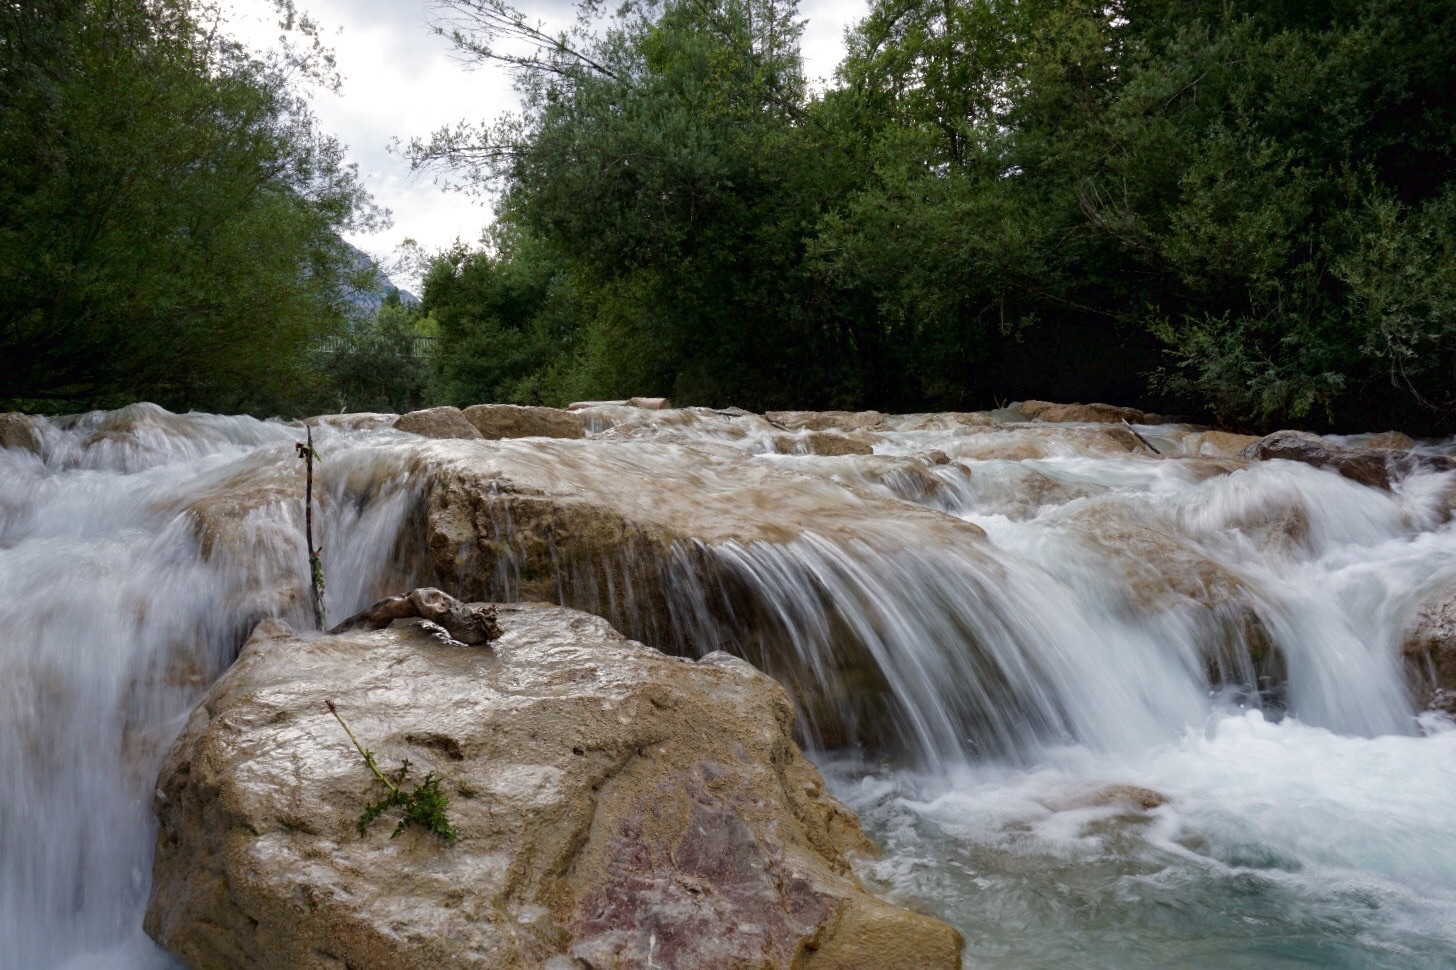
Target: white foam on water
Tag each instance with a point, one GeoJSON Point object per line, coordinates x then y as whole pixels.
{"type": "Point", "coordinates": [1279, 844]}
{"type": "Point", "coordinates": [1157, 719]}
{"type": "Point", "coordinates": [115, 620]}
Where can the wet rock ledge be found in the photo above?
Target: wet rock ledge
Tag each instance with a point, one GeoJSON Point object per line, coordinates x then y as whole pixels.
{"type": "Point", "coordinates": [616, 808]}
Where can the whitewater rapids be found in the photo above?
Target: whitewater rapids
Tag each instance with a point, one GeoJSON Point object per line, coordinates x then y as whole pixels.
{"type": "Point", "coordinates": [1219, 638]}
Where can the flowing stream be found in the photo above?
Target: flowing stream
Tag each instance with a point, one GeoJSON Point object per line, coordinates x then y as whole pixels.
{"type": "Point", "coordinates": [1156, 718]}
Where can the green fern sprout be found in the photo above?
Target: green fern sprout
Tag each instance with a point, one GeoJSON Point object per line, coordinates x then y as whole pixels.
{"type": "Point", "coordinates": [424, 806]}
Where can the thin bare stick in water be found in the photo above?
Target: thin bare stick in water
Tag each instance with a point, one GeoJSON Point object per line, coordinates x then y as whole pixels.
{"type": "Point", "coordinates": [1139, 437]}
{"type": "Point", "coordinates": [315, 556]}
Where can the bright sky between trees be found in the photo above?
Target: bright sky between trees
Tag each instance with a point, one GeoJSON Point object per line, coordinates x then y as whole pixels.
{"type": "Point", "coordinates": [400, 80]}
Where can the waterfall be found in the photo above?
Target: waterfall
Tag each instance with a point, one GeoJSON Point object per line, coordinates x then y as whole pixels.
{"type": "Point", "coordinates": [121, 606]}
{"type": "Point", "coordinates": [1073, 620]}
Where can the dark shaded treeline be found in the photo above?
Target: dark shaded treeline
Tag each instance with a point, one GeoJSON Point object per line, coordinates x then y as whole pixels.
{"type": "Point", "coordinates": [1243, 210]}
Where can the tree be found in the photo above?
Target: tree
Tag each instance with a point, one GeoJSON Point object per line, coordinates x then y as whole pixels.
{"type": "Point", "coordinates": [506, 322]}
{"type": "Point", "coordinates": [1246, 204]}
{"type": "Point", "coordinates": [169, 213]}
{"type": "Point", "coordinates": [668, 162]}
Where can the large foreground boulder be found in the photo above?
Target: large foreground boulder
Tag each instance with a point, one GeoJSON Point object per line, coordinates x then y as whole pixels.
{"type": "Point", "coordinates": [615, 808]}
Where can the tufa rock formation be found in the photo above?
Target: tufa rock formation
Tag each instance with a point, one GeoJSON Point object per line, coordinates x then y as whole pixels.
{"type": "Point", "coordinates": [515, 421]}
{"type": "Point", "coordinates": [615, 807]}
{"type": "Point", "coordinates": [1430, 652]}
{"type": "Point", "coordinates": [442, 422]}
{"type": "Point", "coordinates": [1099, 413]}
{"type": "Point", "coordinates": [1375, 467]}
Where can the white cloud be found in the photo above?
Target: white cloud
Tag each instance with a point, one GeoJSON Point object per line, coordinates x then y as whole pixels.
{"type": "Point", "coordinates": [401, 81]}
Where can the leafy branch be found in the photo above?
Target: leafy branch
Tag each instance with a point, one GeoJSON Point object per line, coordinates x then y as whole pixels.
{"type": "Point", "coordinates": [424, 806]}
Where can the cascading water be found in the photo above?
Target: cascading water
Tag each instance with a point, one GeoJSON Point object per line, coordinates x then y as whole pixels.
{"type": "Point", "coordinates": [1154, 718]}
{"type": "Point", "coordinates": [121, 605]}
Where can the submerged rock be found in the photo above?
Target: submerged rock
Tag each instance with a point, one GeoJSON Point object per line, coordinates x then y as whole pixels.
{"type": "Point", "coordinates": [615, 808]}
{"type": "Point", "coordinates": [442, 422]}
{"type": "Point", "coordinates": [829, 444]}
{"type": "Point", "coordinates": [515, 421]}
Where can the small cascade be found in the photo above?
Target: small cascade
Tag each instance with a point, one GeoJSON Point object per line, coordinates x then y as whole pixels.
{"type": "Point", "coordinates": [137, 549]}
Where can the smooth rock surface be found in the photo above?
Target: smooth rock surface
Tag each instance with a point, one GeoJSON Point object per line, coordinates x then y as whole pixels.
{"type": "Point", "coordinates": [442, 422]}
{"type": "Point", "coordinates": [829, 444]}
{"type": "Point", "coordinates": [1375, 467]}
{"type": "Point", "coordinates": [1217, 444]}
{"type": "Point", "coordinates": [1053, 413]}
{"type": "Point", "coordinates": [357, 421]}
{"type": "Point", "coordinates": [516, 421]}
{"type": "Point", "coordinates": [19, 430]}
{"type": "Point", "coordinates": [616, 808]}
{"type": "Point", "coordinates": [827, 420]}
{"type": "Point", "coordinates": [1430, 651]}
{"type": "Point", "coordinates": [1368, 467]}
{"type": "Point", "coordinates": [609, 529]}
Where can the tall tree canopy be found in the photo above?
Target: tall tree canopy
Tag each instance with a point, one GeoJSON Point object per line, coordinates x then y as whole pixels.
{"type": "Point", "coordinates": [1245, 208]}
{"type": "Point", "coordinates": [169, 212]}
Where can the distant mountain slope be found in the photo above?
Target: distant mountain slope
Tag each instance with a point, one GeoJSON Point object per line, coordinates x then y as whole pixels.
{"type": "Point", "coordinates": [368, 298]}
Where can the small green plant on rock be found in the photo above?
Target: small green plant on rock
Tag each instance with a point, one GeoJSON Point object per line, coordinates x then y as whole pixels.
{"type": "Point", "coordinates": [424, 806]}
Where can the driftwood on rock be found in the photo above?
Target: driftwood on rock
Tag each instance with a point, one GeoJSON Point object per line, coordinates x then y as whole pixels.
{"type": "Point", "coordinates": [471, 623]}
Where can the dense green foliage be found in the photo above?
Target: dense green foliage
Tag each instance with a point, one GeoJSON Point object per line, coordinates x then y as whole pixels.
{"type": "Point", "coordinates": [169, 214]}
{"type": "Point", "coordinates": [1246, 208]}
{"type": "Point", "coordinates": [1241, 209]}
{"type": "Point", "coordinates": [382, 363]}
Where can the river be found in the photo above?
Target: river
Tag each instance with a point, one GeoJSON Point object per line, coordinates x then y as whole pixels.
{"type": "Point", "coordinates": [1155, 718]}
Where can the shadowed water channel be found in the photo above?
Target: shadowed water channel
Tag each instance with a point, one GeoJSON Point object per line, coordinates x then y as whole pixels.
{"type": "Point", "coordinates": [1155, 718]}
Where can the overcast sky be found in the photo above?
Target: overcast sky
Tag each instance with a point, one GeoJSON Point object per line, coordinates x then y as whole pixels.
{"type": "Point", "coordinates": [399, 80]}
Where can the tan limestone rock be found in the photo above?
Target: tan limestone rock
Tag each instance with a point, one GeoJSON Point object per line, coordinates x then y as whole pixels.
{"type": "Point", "coordinates": [941, 421]}
{"type": "Point", "coordinates": [827, 420]}
{"type": "Point", "coordinates": [829, 444]}
{"type": "Point", "coordinates": [1216, 444]}
{"type": "Point", "coordinates": [515, 421]}
{"type": "Point", "coordinates": [358, 421]}
{"type": "Point", "coordinates": [442, 422]}
{"type": "Point", "coordinates": [1098, 413]}
{"type": "Point", "coordinates": [19, 431]}
{"type": "Point", "coordinates": [615, 808]}
{"type": "Point", "coordinates": [1389, 439]}
{"type": "Point", "coordinates": [1430, 649]}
